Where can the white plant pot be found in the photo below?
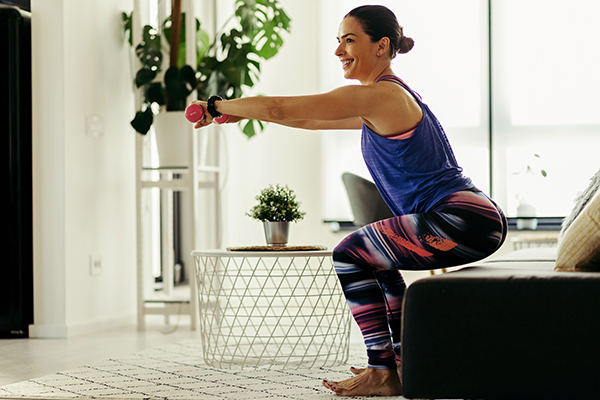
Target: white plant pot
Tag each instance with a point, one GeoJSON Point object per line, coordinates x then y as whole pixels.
{"type": "Point", "coordinates": [526, 217]}
{"type": "Point", "coordinates": [172, 130]}
{"type": "Point", "coordinates": [276, 233]}
{"type": "Point", "coordinates": [526, 223]}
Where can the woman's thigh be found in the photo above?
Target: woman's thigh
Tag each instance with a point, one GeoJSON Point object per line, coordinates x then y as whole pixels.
{"type": "Point", "coordinates": [463, 228]}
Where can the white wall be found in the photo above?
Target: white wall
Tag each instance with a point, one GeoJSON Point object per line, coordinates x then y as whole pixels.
{"type": "Point", "coordinates": [280, 155]}
{"type": "Point", "coordinates": [84, 189]}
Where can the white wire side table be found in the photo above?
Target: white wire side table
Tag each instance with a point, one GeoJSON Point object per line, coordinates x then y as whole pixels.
{"type": "Point", "coordinates": [271, 309]}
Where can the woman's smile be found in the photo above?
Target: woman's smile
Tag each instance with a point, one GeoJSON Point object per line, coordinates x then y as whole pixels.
{"type": "Point", "coordinates": [346, 63]}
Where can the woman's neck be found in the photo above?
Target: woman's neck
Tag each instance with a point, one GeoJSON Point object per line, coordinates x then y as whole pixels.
{"type": "Point", "coordinates": [373, 78]}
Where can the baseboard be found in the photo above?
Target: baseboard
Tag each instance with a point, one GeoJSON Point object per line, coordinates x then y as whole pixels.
{"type": "Point", "coordinates": [41, 331]}
{"type": "Point", "coordinates": [64, 331]}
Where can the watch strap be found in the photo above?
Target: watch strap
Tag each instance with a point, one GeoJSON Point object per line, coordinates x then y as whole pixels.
{"type": "Point", "coordinates": [210, 106]}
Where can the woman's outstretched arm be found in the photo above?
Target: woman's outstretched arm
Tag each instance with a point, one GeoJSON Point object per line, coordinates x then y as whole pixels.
{"type": "Point", "coordinates": [338, 109]}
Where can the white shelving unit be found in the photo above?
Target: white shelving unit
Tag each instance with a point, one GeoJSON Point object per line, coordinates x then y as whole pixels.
{"type": "Point", "coordinates": [189, 179]}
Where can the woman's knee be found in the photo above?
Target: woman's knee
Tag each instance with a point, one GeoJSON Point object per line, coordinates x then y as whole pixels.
{"type": "Point", "coordinates": [340, 252]}
{"type": "Point", "coordinates": [350, 248]}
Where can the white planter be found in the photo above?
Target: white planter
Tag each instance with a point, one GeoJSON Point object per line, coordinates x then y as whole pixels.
{"type": "Point", "coordinates": [526, 214]}
{"type": "Point", "coordinates": [526, 223]}
{"type": "Point", "coordinates": [172, 130]}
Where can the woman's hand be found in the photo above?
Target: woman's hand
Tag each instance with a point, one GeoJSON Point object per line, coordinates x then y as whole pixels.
{"type": "Point", "coordinates": [206, 119]}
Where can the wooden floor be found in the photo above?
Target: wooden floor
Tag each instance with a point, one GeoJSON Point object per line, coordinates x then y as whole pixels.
{"type": "Point", "coordinates": [22, 359]}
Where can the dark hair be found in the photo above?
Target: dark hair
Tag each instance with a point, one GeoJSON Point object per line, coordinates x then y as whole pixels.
{"type": "Point", "coordinates": [379, 22]}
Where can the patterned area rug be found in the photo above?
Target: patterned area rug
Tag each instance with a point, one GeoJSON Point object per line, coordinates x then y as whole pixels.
{"type": "Point", "coordinates": [177, 371]}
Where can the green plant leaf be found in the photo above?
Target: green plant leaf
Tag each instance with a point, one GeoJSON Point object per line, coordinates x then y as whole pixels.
{"type": "Point", "coordinates": [257, 36]}
{"type": "Point", "coordinates": [143, 121]}
{"type": "Point", "coordinates": [155, 93]}
{"type": "Point", "coordinates": [268, 41]}
{"type": "Point", "coordinates": [127, 24]}
{"type": "Point", "coordinates": [151, 38]}
{"type": "Point", "coordinates": [216, 83]}
{"type": "Point", "coordinates": [251, 126]}
{"type": "Point", "coordinates": [203, 44]}
{"type": "Point", "coordinates": [248, 129]}
{"type": "Point", "coordinates": [246, 12]}
{"type": "Point", "coordinates": [144, 76]}
{"type": "Point", "coordinates": [179, 83]}
{"type": "Point", "coordinates": [150, 58]}
{"type": "Point", "coordinates": [176, 84]}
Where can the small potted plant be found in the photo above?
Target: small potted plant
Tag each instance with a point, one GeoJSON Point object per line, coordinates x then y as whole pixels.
{"type": "Point", "coordinates": [277, 207]}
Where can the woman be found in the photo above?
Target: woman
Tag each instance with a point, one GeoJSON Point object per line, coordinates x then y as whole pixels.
{"type": "Point", "coordinates": [442, 220]}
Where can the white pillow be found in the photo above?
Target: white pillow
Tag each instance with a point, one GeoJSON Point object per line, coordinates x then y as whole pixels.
{"type": "Point", "coordinates": [579, 248]}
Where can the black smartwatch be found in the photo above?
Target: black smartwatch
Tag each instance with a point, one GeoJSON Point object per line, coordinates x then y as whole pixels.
{"type": "Point", "coordinates": [210, 106]}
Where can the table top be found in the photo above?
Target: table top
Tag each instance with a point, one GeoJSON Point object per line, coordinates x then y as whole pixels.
{"type": "Point", "coordinates": [264, 254]}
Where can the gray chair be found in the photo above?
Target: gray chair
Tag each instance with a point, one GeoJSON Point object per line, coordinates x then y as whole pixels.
{"type": "Point", "coordinates": [365, 201]}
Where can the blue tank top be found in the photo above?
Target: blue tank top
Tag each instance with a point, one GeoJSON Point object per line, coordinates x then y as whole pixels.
{"type": "Point", "coordinates": [413, 174]}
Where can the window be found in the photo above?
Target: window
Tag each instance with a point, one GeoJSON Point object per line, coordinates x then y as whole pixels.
{"type": "Point", "coordinates": [545, 89]}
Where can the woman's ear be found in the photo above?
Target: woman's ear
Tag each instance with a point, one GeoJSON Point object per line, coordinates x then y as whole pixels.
{"type": "Point", "coordinates": [383, 46]}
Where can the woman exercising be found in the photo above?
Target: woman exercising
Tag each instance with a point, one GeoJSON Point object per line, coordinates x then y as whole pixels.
{"type": "Point", "coordinates": [441, 218]}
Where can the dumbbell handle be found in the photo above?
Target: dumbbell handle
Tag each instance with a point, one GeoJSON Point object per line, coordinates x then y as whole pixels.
{"type": "Point", "coordinates": [194, 113]}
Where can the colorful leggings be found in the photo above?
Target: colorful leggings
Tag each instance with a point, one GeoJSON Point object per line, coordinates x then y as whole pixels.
{"type": "Point", "coordinates": [464, 227]}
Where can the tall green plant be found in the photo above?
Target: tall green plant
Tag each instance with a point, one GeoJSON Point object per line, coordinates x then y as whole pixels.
{"type": "Point", "coordinates": [254, 35]}
{"type": "Point", "coordinates": [226, 66]}
{"type": "Point", "coordinates": [179, 80]}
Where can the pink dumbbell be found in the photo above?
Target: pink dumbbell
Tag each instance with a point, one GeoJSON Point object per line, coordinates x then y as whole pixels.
{"type": "Point", "coordinates": [194, 113]}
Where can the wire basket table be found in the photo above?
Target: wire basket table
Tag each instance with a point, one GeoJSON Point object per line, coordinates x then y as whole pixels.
{"type": "Point", "coordinates": [271, 309]}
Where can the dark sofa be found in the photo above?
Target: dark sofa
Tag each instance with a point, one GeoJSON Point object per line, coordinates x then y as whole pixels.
{"type": "Point", "coordinates": [509, 328]}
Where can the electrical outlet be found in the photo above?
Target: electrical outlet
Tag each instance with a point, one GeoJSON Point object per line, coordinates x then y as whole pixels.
{"type": "Point", "coordinates": [94, 126]}
{"type": "Point", "coordinates": [95, 265]}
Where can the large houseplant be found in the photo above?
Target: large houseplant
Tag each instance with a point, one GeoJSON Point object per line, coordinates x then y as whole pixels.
{"type": "Point", "coordinates": [225, 66]}
{"type": "Point", "coordinates": [277, 207]}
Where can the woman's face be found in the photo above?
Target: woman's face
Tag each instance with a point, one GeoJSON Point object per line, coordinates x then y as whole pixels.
{"type": "Point", "coordinates": [356, 51]}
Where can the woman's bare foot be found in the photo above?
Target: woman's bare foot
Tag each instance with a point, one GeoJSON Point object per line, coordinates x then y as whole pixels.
{"type": "Point", "coordinates": [371, 382]}
{"type": "Point", "coordinates": [358, 371]}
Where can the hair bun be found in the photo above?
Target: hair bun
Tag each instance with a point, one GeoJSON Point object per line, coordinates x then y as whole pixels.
{"type": "Point", "coordinates": [405, 45]}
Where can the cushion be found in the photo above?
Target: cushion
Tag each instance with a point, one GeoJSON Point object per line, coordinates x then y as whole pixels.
{"type": "Point", "coordinates": [582, 200]}
{"type": "Point", "coordinates": [579, 248]}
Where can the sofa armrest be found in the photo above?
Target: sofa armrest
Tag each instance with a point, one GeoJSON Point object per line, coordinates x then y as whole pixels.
{"type": "Point", "coordinates": [502, 334]}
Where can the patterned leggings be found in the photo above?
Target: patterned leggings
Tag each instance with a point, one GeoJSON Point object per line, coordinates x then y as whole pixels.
{"type": "Point", "coordinates": [464, 227]}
